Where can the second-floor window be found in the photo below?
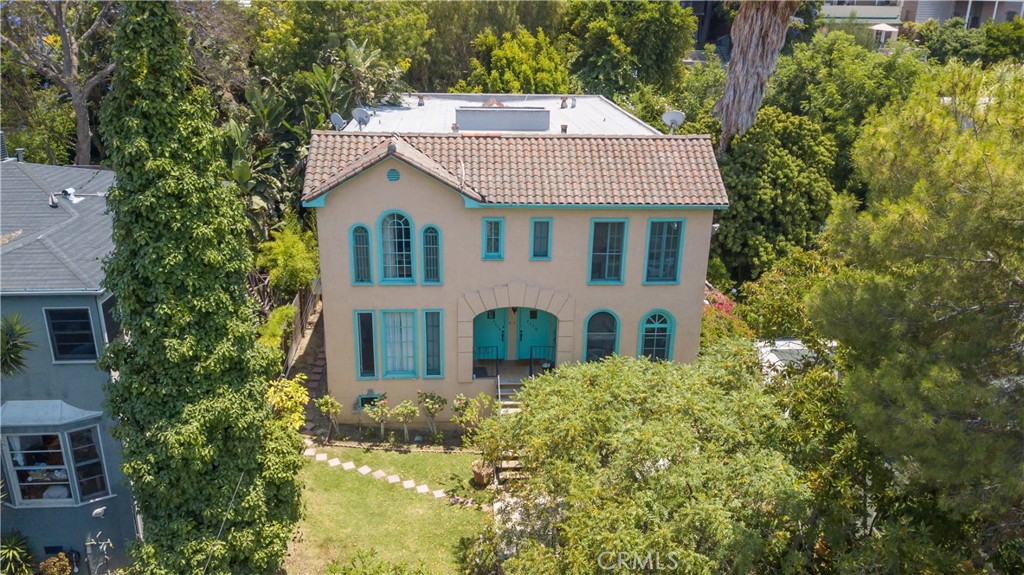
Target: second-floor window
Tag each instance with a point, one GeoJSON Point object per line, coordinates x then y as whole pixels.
{"type": "Point", "coordinates": [664, 250]}
{"type": "Point", "coordinates": [396, 248]}
{"type": "Point", "coordinates": [71, 334]}
{"type": "Point", "coordinates": [494, 240]}
{"type": "Point", "coordinates": [607, 251]}
{"type": "Point", "coordinates": [540, 239]}
{"type": "Point", "coordinates": [361, 266]}
{"type": "Point", "coordinates": [431, 255]}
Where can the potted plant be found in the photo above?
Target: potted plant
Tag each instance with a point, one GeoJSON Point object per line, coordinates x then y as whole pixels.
{"type": "Point", "coordinates": [483, 472]}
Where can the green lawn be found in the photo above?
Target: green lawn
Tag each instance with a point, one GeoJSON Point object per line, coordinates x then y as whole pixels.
{"type": "Point", "coordinates": [345, 511]}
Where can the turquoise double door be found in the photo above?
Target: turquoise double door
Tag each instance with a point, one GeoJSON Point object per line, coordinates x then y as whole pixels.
{"type": "Point", "coordinates": [491, 332]}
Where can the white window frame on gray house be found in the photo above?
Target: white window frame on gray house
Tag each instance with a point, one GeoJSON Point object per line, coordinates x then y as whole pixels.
{"type": "Point", "coordinates": [53, 343]}
{"type": "Point", "coordinates": [63, 474]}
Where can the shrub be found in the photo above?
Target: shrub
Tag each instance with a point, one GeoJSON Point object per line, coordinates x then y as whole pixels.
{"type": "Point", "coordinates": [279, 324]}
{"type": "Point", "coordinates": [290, 257]}
{"type": "Point", "coordinates": [15, 556]}
{"type": "Point", "coordinates": [288, 398]}
{"type": "Point", "coordinates": [58, 565]}
{"type": "Point", "coordinates": [14, 343]}
{"type": "Point", "coordinates": [719, 321]}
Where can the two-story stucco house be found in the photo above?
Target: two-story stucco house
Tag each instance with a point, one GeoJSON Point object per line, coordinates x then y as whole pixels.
{"type": "Point", "coordinates": [467, 240]}
{"type": "Point", "coordinates": [63, 486]}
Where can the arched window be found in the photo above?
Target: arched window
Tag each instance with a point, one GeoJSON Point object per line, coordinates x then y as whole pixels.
{"type": "Point", "coordinates": [602, 335]}
{"type": "Point", "coordinates": [396, 248]}
{"type": "Point", "coordinates": [361, 255]}
{"type": "Point", "coordinates": [656, 335]}
{"type": "Point", "coordinates": [431, 255]}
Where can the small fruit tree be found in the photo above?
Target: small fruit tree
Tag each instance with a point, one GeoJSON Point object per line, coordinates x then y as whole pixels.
{"type": "Point", "coordinates": [432, 405]}
{"type": "Point", "coordinates": [330, 408]}
{"type": "Point", "coordinates": [379, 412]}
{"type": "Point", "coordinates": [405, 412]}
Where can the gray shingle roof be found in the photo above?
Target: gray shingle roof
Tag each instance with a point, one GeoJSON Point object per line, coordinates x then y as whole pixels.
{"type": "Point", "coordinates": [517, 169]}
{"type": "Point", "coordinates": [52, 249]}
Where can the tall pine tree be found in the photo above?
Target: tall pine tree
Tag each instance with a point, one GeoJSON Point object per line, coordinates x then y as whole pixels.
{"type": "Point", "coordinates": [200, 444]}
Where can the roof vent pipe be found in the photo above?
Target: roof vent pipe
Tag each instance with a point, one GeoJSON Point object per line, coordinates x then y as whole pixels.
{"type": "Point", "coordinates": [419, 100]}
{"type": "Point", "coordinates": [455, 128]}
{"type": "Point", "coordinates": [574, 101]}
{"type": "Point", "coordinates": [565, 128]}
{"type": "Point", "coordinates": [565, 102]}
{"type": "Point", "coordinates": [20, 152]}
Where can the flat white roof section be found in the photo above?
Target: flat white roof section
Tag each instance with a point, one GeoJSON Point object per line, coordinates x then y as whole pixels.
{"type": "Point", "coordinates": [503, 113]}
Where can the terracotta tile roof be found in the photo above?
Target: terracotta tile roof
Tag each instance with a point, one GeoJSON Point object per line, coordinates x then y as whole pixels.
{"type": "Point", "coordinates": [533, 169]}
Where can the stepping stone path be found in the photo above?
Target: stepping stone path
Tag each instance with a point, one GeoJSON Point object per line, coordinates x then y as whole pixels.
{"type": "Point", "coordinates": [378, 474]}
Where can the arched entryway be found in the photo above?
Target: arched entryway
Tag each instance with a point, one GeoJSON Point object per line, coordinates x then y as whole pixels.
{"type": "Point", "coordinates": [497, 317]}
{"type": "Point", "coordinates": [515, 342]}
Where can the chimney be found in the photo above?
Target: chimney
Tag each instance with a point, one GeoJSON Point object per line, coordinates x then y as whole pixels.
{"type": "Point", "coordinates": [565, 102]}
{"type": "Point", "coordinates": [565, 128]}
{"type": "Point", "coordinates": [20, 152]}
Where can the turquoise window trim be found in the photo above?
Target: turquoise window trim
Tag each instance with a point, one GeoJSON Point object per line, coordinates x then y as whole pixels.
{"type": "Point", "coordinates": [484, 254]}
{"type": "Point", "coordinates": [352, 252]}
{"type": "Point", "coordinates": [586, 330]}
{"type": "Point", "coordinates": [358, 346]}
{"type": "Point", "coordinates": [590, 251]}
{"type": "Point", "coordinates": [383, 352]}
{"type": "Point", "coordinates": [380, 250]}
{"type": "Point", "coordinates": [551, 227]}
{"type": "Point", "coordinates": [671, 333]}
{"type": "Point", "coordinates": [440, 257]}
{"type": "Point", "coordinates": [647, 250]}
{"type": "Point", "coordinates": [440, 344]}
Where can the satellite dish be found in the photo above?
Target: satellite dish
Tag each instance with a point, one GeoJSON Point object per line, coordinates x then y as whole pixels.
{"type": "Point", "coordinates": [337, 121]}
{"type": "Point", "coordinates": [673, 119]}
{"type": "Point", "coordinates": [362, 116]}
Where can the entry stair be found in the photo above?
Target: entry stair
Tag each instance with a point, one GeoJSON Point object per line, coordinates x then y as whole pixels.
{"type": "Point", "coordinates": [508, 466]}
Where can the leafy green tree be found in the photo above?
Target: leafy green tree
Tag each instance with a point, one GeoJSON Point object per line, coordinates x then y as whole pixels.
{"type": "Point", "coordinates": [14, 342]}
{"type": "Point", "coordinates": [929, 302]}
{"type": "Point", "coordinates": [613, 46]}
{"type": "Point", "coordinates": [520, 64]}
{"type": "Point", "coordinates": [719, 321]}
{"type": "Point", "coordinates": [633, 456]}
{"type": "Point", "coordinates": [212, 471]}
{"type": "Point", "coordinates": [41, 121]}
{"type": "Point", "coordinates": [948, 40]}
{"type": "Point", "coordinates": [837, 83]}
{"type": "Point", "coordinates": [776, 175]}
{"type": "Point", "coordinates": [1004, 42]}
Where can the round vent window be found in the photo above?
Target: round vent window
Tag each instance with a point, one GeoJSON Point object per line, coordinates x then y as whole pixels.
{"type": "Point", "coordinates": [393, 175]}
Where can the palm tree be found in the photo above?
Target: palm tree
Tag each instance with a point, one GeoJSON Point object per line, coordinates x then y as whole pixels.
{"type": "Point", "coordinates": [14, 342]}
{"type": "Point", "coordinates": [758, 33]}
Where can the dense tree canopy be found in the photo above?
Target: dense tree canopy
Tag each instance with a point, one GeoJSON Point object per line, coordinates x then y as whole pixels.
{"type": "Point", "coordinates": [519, 64]}
{"type": "Point", "coordinates": [779, 192]}
{"type": "Point", "coordinates": [201, 447]}
{"type": "Point", "coordinates": [612, 46]}
{"type": "Point", "coordinates": [930, 302]}
{"type": "Point", "coordinates": [837, 83]}
{"type": "Point", "coordinates": [632, 456]}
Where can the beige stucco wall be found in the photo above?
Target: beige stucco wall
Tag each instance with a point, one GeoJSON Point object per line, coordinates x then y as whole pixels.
{"type": "Point", "coordinates": [472, 285]}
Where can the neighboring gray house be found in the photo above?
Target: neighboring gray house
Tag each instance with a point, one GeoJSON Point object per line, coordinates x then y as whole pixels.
{"type": "Point", "coordinates": [63, 486]}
